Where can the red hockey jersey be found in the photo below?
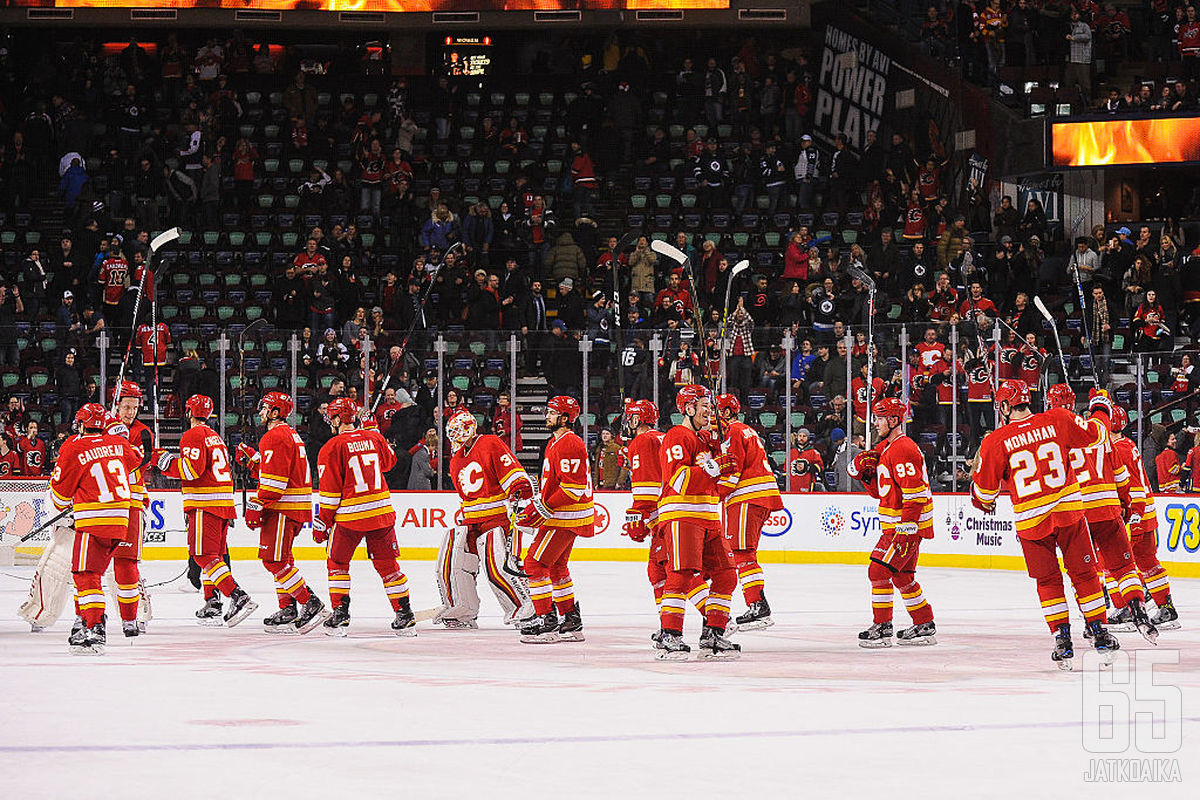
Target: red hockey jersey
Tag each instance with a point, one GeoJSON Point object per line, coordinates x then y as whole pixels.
{"type": "Point", "coordinates": [32, 454]}
{"type": "Point", "coordinates": [645, 473]}
{"type": "Point", "coordinates": [800, 478]}
{"type": "Point", "coordinates": [485, 474]}
{"type": "Point", "coordinates": [688, 494]}
{"type": "Point", "coordinates": [352, 491]}
{"type": "Point", "coordinates": [114, 272]}
{"type": "Point", "coordinates": [10, 464]}
{"type": "Point", "coordinates": [1030, 456]}
{"type": "Point", "coordinates": [284, 481]}
{"type": "Point", "coordinates": [203, 466]}
{"type": "Point", "coordinates": [567, 485]}
{"type": "Point", "coordinates": [92, 476]}
{"type": "Point", "coordinates": [902, 487]}
{"type": "Point", "coordinates": [753, 481]}
{"type": "Point", "coordinates": [153, 353]}
{"type": "Point", "coordinates": [142, 439]}
{"type": "Point", "coordinates": [1103, 480]}
{"type": "Point", "coordinates": [1141, 514]}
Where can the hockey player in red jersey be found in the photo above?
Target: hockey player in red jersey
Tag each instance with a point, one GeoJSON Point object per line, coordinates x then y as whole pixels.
{"type": "Point", "coordinates": [281, 506]}
{"type": "Point", "coordinates": [356, 505]}
{"type": "Point", "coordinates": [131, 592]}
{"type": "Point", "coordinates": [562, 512]}
{"type": "Point", "coordinates": [1104, 488]}
{"type": "Point", "coordinates": [1141, 517]}
{"type": "Point", "coordinates": [91, 478]}
{"type": "Point", "coordinates": [645, 477]}
{"type": "Point", "coordinates": [487, 477]}
{"type": "Point", "coordinates": [689, 509]}
{"type": "Point", "coordinates": [894, 473]}
{"type": "Point", "coordinates": [750, 493]}
{"type": "Point", "coordinates": [1029, 454]}
{"type": "Point", "coordinates": [204, 468]}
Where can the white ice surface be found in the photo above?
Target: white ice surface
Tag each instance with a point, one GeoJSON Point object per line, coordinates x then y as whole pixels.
{"type": "Point", "coordinates": [190, 712]}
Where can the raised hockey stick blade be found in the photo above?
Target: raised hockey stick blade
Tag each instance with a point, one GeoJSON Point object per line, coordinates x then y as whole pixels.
{"type": "Point", "coordinates": [669, 250]}
{"type": "Point", "coordinates": [1045, 312]}
{"type": "Point", "coordinates": [164, 239]}
{"type": "Point", "coordinates": [862, 276]}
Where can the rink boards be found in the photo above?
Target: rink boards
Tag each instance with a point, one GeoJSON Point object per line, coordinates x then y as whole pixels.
{"type": "Point", "coordinates": [812, 528]}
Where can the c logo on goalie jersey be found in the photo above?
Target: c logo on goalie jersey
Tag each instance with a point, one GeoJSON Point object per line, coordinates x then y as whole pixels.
{"type": "Point", "coordinates": [470, 478]}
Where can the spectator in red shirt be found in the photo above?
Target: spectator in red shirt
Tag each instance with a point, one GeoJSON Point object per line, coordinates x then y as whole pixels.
{"type": "Point", "coordinates": [32, 451]}
{"type": "Point", "coordinates": [309, 259]}
{"type": "Point", "coordinates": [805, 464]}
{"type": "Point", "coordinates": [505, 418]}
{"type": "Point", "coordinates": [10, 460]}
{"type": "Point", "coordinates": [680, 299]}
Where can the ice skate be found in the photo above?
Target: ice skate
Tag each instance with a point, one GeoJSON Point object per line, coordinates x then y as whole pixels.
{"type": "Point", "coordinates": [404, 624]}
{"type": "Point", "coordinates": [671, 647]}
{"type": "Point", "coordinates": [212, 614]}
{"type": "Point", "coordinates": [130, 628]}
{"type": "Point", "coordinates": [1105, 643]}
{"type": "Point", "coordinates": [541, 629]}
{"type": "Point", "coordinates": [878, 635]}
{"type": "Point", "coordinates": [89, 641]}
{"type": "Point", "coordinates": [1166, 618]}
{"type": "Point", "coordinates": [1121, 619]}
{"type": "Point", "coordinates": [924, 633]}
{"type": "Point", "coordinates": [1064, 650]}
{"type": "Point", "coordinates": [339, 620]}
{"type": "Point", "coordinates": [312, 615]}
{"type": "Point", "coordinates": [283, 620]}
{"type": "Point", "coordinates": [1142, 623]}
{"type": "Point", "coordinates": [715, 647]}
{"type": "Point", "coordinates": [459, 624]}
{"type": "Point", "coordinates": [757, 617]}
{"type": "Point", "coordinates": [656, 639]}
{"type": "Point", "coordinates": [240, 607]}
{"type": "Point", "coordinates": [571, 627]}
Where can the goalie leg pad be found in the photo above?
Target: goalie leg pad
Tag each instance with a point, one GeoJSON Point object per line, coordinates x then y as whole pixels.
{"type": "Point", "coordinates": [52, 582]}
{"type": "Point", "coordinates": [456, 571]}
{"type": "Point", "coordinates": [507, 581]}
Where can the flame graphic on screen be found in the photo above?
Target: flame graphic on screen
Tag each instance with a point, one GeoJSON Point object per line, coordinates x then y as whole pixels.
{"type": "Point", "coordinates": [1102, 143]}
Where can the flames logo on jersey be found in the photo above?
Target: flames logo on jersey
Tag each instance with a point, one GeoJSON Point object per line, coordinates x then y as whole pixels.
{"type": "Point", "coordinates": [832, 521]}
{"type": "Point", "coordinates": [979, 374]}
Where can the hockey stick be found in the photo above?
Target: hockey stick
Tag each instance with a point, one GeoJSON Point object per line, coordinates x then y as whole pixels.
{"type": "Point", "coordinates": [680, 258]}
{"type": "Point", "coordinates": [628, 240]}
{"type": "Point", "coordinates": [1087, 335]}
{"type": "Point", "coordinates": [45, 526]}
{"type": "Point", "coordinates": [865, 279]}
{"type": "Point", "coordinates": [412, 326]}
{"type": "Point", "coordinates": [738, 269]}
{"type": "Point", "coordinates": [1045, 312]}
{"type": "Point", "coordinates": [160, 241]}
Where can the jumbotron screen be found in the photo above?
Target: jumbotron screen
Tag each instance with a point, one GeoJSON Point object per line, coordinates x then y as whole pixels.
{"type": "Point", "coordinates": [1153, 141]}
{"type": "Point", "coordinates": [386, 5]}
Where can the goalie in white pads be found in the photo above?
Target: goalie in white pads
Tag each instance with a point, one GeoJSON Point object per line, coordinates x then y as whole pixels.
{"type": "Point", "coordinates": [486, 475]}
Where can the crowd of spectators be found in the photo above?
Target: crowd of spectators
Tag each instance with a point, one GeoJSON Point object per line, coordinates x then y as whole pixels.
{"type": "Point", "coordinates": [482, 213]}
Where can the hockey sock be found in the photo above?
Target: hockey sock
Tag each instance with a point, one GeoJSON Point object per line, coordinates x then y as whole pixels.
{"type": "Point", "coordinates": [339, 582]}
{"type": "Point", "coordinates": [722, 584]}
{"type": "Point", "coordinates": [750, 574]}
{"type": "Point", "coordinates": [1054, 601]}
{"type": "Point", "coordinates": [657, 574]}
{"type": "Point", "coordinates": [290, 583]}
{"type": "Point", "coordinates": [670, 611]}
{"type": "Point", "coordinates": [396, 587]}
{"type": "Point", "coordinates": [564, 595]}
{"type": "Point", "coordinates": [698, 595]}
{"type": "Point", "coordinates": [1129, 586]}
{"type": "Point", "coordinates": [541, 588]}
{"type": "Point", "coordinates": [217, 577]}
{"type": "Point", "coordinates": [1158, 583]}
{"type": "Point", "coordinates": [881, 601]}
{"type": "Point", "coordinates": [914, 599]}
{"type": "Point", "coordinates": [125, 572]}
{"type": "Point", "coordinates": [89, 597]}
{"type": "Point", "coordinates": [1114, 592]}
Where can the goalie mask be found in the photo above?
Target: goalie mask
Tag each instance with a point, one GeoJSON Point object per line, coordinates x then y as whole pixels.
{"type": "Point", "coordinates": [461, 428]}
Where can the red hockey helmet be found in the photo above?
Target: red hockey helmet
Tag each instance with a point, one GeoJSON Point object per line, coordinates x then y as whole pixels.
{"type": "Point", "coordinates": [92, 417]}
{"type": "Point", "coordinates": [890, 407]}
{"type": "Point", "coordinates": [729, 402]}
{"type": "Point", "coordinates": [461, 427]}
{"type": "Point", "coordinates": [199, 406]}
{"type": "Point", "coordinates": [1013, 391]}
{"type": "Point", "coordinates": [1060, 395]}
{"type": "Point", "coordinates": [565, 405]}
{"type": "Point", "coordinates": [114, 426]}
{"type": "Point", "coordinates": [343, 409]}
{"type": "Point", "coordinates": [279, 401]}
{"type": "Point", "coordinates": [646, 411]}
{"type": "Point", "coordinates": [689, 394]}
{"type": "Point", "coordinates": [1119, 420]}
{"type": "Point", "coordinates": [130, 389]}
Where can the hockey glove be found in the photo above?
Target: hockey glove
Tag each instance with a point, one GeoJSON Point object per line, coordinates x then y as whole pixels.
{"type": "Point", "coordinates": [727, 464]}
{"type": "Point", "coordinates": [906, 529]}
{"type": "Point", "coordinates": [370, 424]}
{"type": "Point", "coordinates": [534, 515]}
{"type": "Point", "coordinates": [1099, 401]}
{"type": "Point", "coordinates": [635, 526]}
{"type": "Point", "coordinates": [246, 455]}
{"type": "Point", "coordinates": [162, 459]}
{"type": "Point", "coordinates": [254, 511]}
{"type": "Point", "coordinates": [1134, 519]}
{"type": "Point", "coordinates": [706, 462]}
{"type": "Point", "coordinates": [320, 531]}
{"type": "Point", "coordinates": [982, 505]}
